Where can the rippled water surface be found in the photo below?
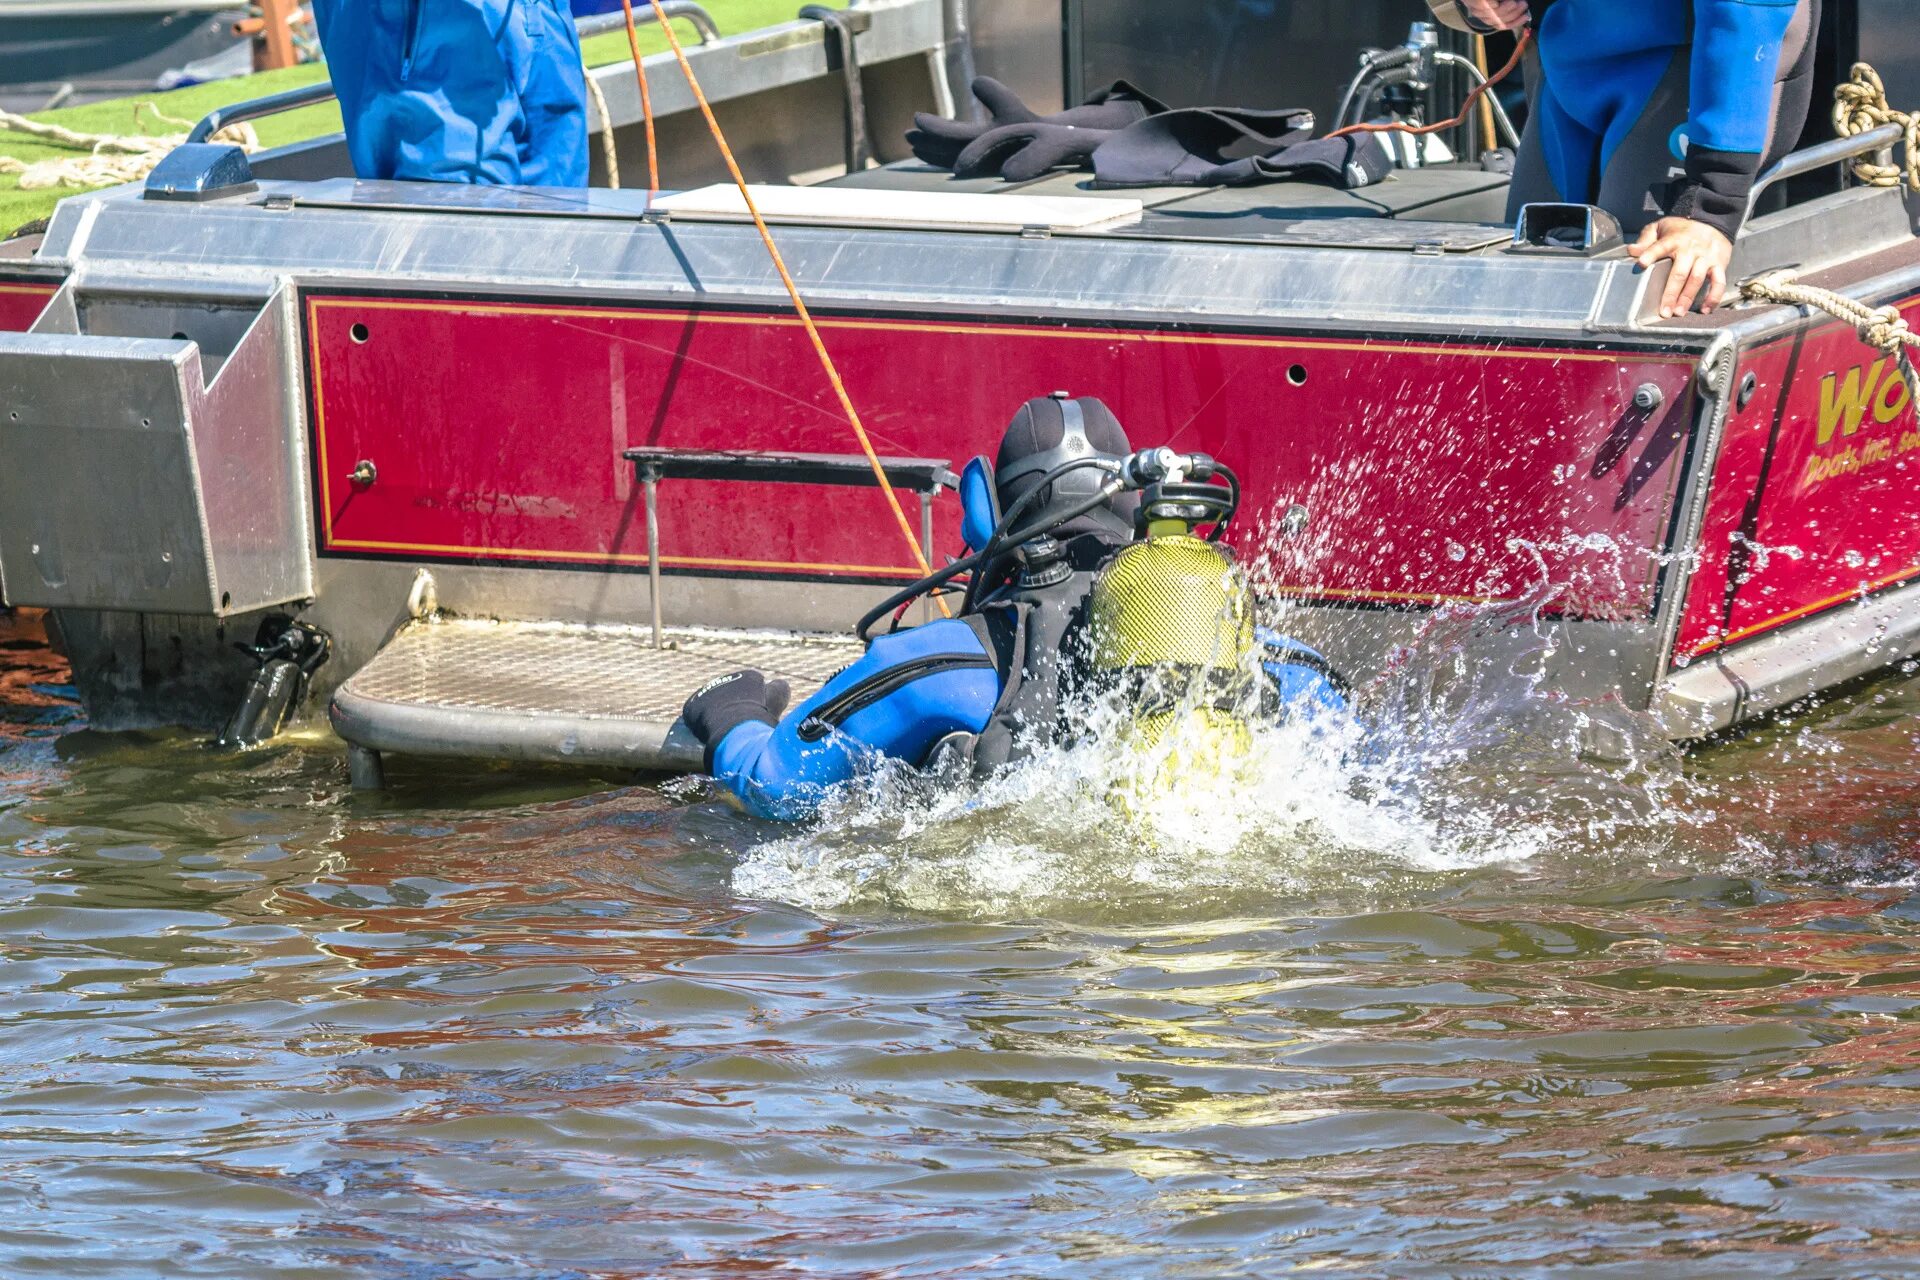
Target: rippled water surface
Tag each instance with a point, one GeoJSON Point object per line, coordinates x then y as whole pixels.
{"type": "Point", "coordinates": [512, 1024]}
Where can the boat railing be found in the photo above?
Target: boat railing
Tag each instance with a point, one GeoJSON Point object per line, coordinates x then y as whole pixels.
{"type": "Point", "coordinates": [256, 108]}
{"type": "Point", "coordinates": [653, 463]}
{"type": "Point", "coordinates": [308, 95]}
{"type": "Point", "coordinates": [702, 21]}
{"type": "Point", "coordinates": [1835, 151]}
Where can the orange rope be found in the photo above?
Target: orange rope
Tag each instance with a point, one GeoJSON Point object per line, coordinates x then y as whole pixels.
{"type": "Point", "coordinates": [646, 105]}
{"type": "Point", "coordinates": [1466, 109]}
{"type": "Point", "coordinates": [799, 304]}
{"type": "Point", "coordinates": [1489, 137]}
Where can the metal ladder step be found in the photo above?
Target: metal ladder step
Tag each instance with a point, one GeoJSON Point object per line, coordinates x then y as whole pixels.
{"type": "Point", "coordinates": [598, 695]}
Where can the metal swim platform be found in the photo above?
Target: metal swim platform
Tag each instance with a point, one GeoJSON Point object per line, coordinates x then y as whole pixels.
{"type": "Point", "coordinates": [555, 692]}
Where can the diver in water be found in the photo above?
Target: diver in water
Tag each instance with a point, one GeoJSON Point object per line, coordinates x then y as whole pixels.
{"type": "Point", "coordinates": [1662, 112]}
{"type": "Point", "coordinates": [479, 91]}
{"type": "Point", "coordinates": [1084, 569]}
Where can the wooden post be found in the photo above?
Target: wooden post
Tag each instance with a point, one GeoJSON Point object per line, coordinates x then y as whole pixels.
{"type": "Point", "coordinates": [272, 33]}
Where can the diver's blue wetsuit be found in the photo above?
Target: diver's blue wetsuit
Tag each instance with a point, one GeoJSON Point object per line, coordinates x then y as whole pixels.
{"type": "Point", "coordinates": [908, 692]}
{"type": "Point", "coordinates": [973, 694]}
{"type": "Point", "coordinates": [1623, 83]}
{"type": "Point", "coordinates": [483, 91]}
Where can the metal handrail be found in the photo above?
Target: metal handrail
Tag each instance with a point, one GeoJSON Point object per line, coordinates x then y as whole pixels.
{"type": "Point", "coordinates": [1822, 155]}
{"type": "Point", "coordinates": [271, 105]}
{"type": "Point", "coordinates": [702, 21]}
{"type": "Point", "coordinates": [307, 95]}
{"type": "Point", "coordinates": [653, 463]}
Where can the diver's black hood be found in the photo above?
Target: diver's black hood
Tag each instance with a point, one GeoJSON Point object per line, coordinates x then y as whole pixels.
{"type": "Point", "coordinates": [1054, 429]}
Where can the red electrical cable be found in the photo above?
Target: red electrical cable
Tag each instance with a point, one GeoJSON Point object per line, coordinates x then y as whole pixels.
{"type": "Point", "coordinates": [1519, 50]}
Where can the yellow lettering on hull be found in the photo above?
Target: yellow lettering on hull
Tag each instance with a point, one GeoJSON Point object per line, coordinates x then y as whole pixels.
{"type": "Point", "coordinates": [1844, 404]}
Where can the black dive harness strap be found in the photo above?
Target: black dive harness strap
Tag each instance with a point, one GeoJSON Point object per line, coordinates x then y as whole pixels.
{"type": "Point", "coordinates": [1164, 689]}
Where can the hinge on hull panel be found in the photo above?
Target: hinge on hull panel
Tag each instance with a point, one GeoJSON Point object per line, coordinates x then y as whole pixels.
{"type": "Point", "coordinates": [1713, 381]}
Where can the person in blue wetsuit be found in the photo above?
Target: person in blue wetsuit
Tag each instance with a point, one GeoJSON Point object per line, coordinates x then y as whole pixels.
{"type": "Point", "coordinates": [1662, 112]}
{"type": "Point", "coordinates": [984, 689]}
{"type": "Point", "coordinates": [480, 91]}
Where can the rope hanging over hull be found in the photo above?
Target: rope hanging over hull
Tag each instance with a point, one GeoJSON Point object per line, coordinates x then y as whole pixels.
{"type": "Point", "coordinates": [786, 278]}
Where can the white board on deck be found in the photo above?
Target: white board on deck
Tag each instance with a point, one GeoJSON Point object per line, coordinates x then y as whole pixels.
{"type": "Point", "coordinates": [864, 207]}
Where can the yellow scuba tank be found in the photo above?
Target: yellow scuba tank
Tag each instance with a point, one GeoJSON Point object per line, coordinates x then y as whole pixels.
{"type": "Point", "coordinates": [1171, 626]}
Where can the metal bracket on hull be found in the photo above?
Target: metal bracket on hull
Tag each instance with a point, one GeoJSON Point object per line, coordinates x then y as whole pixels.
{"type": "Point", "coordinates": [131, 480]}
{"type": "Point", "coordinates": [1785, 666]}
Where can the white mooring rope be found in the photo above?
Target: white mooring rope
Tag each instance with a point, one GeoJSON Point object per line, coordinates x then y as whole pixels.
{"type": "Point", "coordinates": [1882, 328]}
{"type": "Point", "coordinates": [608, 151]}
{"type": "Point", "coordinates": [1859, 106]}
{"type": "Point", "coordinates": [109, 158]}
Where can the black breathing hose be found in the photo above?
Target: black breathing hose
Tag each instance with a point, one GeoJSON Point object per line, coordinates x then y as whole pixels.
{"type": "Point", "coordinates": [1005, 539]}
{"type": "Point", "coordinates": [1225, 472]}
{"type": "Point", "coordinates": [997, 545]}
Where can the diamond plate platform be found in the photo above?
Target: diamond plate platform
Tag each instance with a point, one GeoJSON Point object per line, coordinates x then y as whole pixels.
{"type": "Point", "coordinates": [555, 692]}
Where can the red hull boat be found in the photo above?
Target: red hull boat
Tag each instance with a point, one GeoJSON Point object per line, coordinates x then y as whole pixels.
{"type": "Point", "coordinates": [402, 417]}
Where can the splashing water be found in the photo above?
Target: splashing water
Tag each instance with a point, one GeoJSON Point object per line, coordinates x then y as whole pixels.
{"type": "Point", "coordinates": [1456, 756]}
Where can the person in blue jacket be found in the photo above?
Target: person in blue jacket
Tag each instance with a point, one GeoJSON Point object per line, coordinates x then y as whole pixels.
{"type": "Point", "coordinates": [1662, 112]}
{"type": "Point", "coordinates": [986, 688]}
{"type": "Point", "coordinates": [480, 91]}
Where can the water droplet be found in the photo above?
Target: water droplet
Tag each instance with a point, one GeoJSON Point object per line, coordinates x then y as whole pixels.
{"type": "Point", "coordinates": [1455, 552]}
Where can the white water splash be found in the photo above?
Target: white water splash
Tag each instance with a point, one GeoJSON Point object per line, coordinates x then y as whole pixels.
{"type": "Point", "coordinates": [1459, 754]}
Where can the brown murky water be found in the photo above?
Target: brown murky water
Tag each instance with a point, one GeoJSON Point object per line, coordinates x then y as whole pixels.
{"type": "Point", "coordinates": [518, 1025]}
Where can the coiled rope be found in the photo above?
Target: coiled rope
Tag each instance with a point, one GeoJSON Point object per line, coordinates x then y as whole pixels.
{"type": "Point", "coordinates": [786, 278]}
{"type": "Point", "coordinates": [110, 158]}
{"type": "Point", "coordinates": [1860, 105]}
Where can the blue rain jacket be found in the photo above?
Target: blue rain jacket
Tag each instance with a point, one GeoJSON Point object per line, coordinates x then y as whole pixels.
{"type": "Point", "coordinates": [1603, 60]}
{"type": "Point", "coordinates": [483, 91]}
{"type": "Point", "coordinates": [909, 691]}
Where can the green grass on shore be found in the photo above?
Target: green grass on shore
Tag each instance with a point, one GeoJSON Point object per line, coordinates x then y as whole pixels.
{"type": "Point", "coordinates": [139, 114]}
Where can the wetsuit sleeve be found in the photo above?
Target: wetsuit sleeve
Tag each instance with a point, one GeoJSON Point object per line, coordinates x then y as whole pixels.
{"type": "Point", "coordinates": [1736, 63]}
{"type": "Point", "coordinates": [909, 691]}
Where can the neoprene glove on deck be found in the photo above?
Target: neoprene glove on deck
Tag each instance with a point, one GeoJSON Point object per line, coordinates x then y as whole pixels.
{"type": "Point", "coordinates": [723, 705]}
{"type": "Point", "coordinates": [1018, 144]}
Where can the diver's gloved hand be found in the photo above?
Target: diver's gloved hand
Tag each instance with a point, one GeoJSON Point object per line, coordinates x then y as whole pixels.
{"type": "Point", "coordinates": [1022, 152]}
{"type": "Point", "coordinates": [938, 141]}
{"type": "Point", "coordinates": [723, 705]}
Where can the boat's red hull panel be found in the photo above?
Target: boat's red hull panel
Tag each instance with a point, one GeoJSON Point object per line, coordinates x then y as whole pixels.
{"type": "Point", "coordinates": [1816, 498]}
{"type": "Point", "coordinates": [1434, 472]}
{"type": "Point", "coordinates": [21, 303]}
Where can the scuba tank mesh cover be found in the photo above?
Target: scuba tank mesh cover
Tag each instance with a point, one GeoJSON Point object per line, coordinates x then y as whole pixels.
{"type": "Point", "coordinates": [1171, 620]}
